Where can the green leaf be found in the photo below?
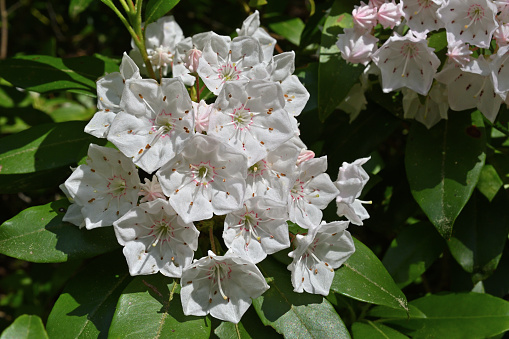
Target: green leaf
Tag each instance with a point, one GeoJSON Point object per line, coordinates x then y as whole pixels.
{"type": "Point", "coordinates": [289, 28]}
{"type": "Point", "coordinates": [44, 151]}
{"type": "Point", "coordinates": [462, 315]}
{"type": "Point", "coordinates": [157, 9]}
{"type": "Point", "coordinates": [498, 283]}
{"type": "Point", "coordinates": [480, 235]}
{"type": "Point", "coordinates": [364, 277]}
{"type": "Point", "coordinates": [78, 6]}
{"type": "Point", "coordinates": [38, 234]}
{"type": "Point", "coordinates": [87, 304]}
{"type": "Point", "coordinates": [150, 307]}
{"type": "Point", "coordinates": [335, 76]}
{"type": "Point", "coordinates": [25, 327]}
{"type": "Point", "coordinates": [294, 314]}
{"type": "Point", "coordinates": [249, 326]}
{"type": "Point", "coordinates": [413, 252]}
{"type": "Point", "coordinates": [489, 182]}
{"type": "Point", "coordinates": [443, 165]}
{"type": "Point", "coordinates": [374, 330]}
{"type": "Point", "coordinates": [256, 3]}
{"type": "Point", "coordinates": [43, 73]}
{"type": "Point", "coordinates": [438, 41]}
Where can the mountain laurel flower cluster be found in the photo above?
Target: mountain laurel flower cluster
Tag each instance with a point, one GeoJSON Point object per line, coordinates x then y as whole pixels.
{"type": "Point", "coordinates": [181, 168]}
{"type": "Point", "coordinates": [472, 74]}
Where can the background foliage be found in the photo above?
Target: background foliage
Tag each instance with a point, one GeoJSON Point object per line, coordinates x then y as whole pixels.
{"type": "Point", "coordinates": [432, 261]}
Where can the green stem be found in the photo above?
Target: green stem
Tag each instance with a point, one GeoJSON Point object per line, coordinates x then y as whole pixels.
{"type": "Point", "coordinates": [126, 8]}
{"type": "Point", "coordinates": [212, 242]}
{"type": "Point", "coordinates": [198, 89]}
{"type": "Point", "coordinates": [120, 16]}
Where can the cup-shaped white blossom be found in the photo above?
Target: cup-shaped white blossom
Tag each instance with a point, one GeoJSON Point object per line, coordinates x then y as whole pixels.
{"type": "Point", "coordinates": [222, 286]}
{"type": "Point", "coordinates": [458, 52]}
{"type": "Point", "coordinates": [201, 115]}
{"type": "Point", "coordinates": [161, 38]}
{"type": "Point", "coordinates": [470, 21]}
{"type": "Point", "coordinates": [407, 61]}
{"type": "Point", "coordinates": [223, 62]}
{"type": "Point", "coordinates": [500, 71]}
{"type": "Point", "coordinates": [433, 109]}
{"type": "Point", "coordinates": [351, 180]}
{"type": "Point", "coordinates": [421, 15]}
{"type": "Point", "coordinates": [109, 94]}
{"type": "Point", "coordinates": [251, 27]}
{"type": "Point", "coordinates": [250, 116]}
{"type": "Point", "coordinates": [273, 176]}
{"type": "Point", "coordinates": [311, 192]}
{"type": "Point", "coordinates": [325, 248]}
{"type": "Point", "coordinates": [155, 122]}
{"type": "Point", "coordinates": [207, 177]}
{"type": "Point", "coordinates": [73, 213]}
{"type": "Point", "coordinates": [356, 46]}
{"type": "Point", "coordinates": [105, 188]}
{"type": "Point", "coordinates": [156, 239]}
{"type": "Point", "coordinates": [257, 229]}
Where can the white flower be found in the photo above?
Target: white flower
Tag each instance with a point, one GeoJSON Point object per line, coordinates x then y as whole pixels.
{"type": "Point", "coordinates": [206, 177]}
{"type": "Point", "coordinates": [73, 213]}
{"type": "Point", "coordinates": [433, 109]}
{"type": "Point", "coordinates": [251, 27]}
{"type": "Point", "coordinates": [250, 117]}
{"type": "Point", "coordinates": [156, 121]}
{"type": "Point", "coordinates": [222, 286]}
{"type": "Point", "coordinates": [151, 190]}
{"type": "Point", "coordinates": [223, 62]}
{"type": "Point", "coordinates": [105, 188]}
{"type": "Point", "coordinates": [389, 14]}
{"type": "Point", "coordinates": [109, 94]}
{"type": "Point", "coordinates": [351, 180]}
{"type": "Point", "coordinates": [257, 229]}
{"type": "Point", "coordinates": [421, 15]}
{"type": "Point", "coordinates": [161, 38]}
{"type": "Point", "coordinates": [406, 62]}
{"type": "Point", "coordinates": [501, 35]}
{"type": "Point", "coordinates": [155, 239]}
{"type": "Point", "coordinates": [312, 191]}
{"type": "Point", "coordinates": [201, 115]}
{"type": "Point", "coordinates": [325, 248]}
{"type": "Point", "coordinates": [470, 21]}
{"type": "Point", "coordinates": [458, 52]}
{"type": "Point", "coordinates": [500, 71]}
{"type": "Point", "coordinates": [356, 46]}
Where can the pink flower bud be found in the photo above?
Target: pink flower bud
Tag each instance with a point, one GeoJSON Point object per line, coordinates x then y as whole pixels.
{"type": "Point", "coordinates": [192, 59]}
{"type": "Point", "coordinates": [305, 155]}
{"type": "Point", "coordinates": [364, 17]}
{"type": "Point", "coordinates": [201, 115]}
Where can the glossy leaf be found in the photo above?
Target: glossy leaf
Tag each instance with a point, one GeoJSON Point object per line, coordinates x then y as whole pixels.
{"type": "Point", "coordinates": [43, 73]}
{"type": "Point", "coordinates": [249, 326]}
{"type": "Point", "coordinates": [289, 28]}
{"type": "Point", "coordinates": [364, 277]}
{"type": "Point", "coordinates": [157, 9]}
{"type": "Point", "coordinates": [87, 304]}
{"type": "Point", "coordinates": [150, 307]}
{"type": "Point", "coordinates": [373, 330]}
{"type": "Point", "coordinates": [25, 327]}
{"type": "Point", "coordinates": [497, 284]}
{"type": "Point", "coordinates": [480, 235]}
{"type": "Point", "coordinates": [29, 156]}
{"type": "Point", "coordinates": [78, 6]}
{"type": "Point", "coordinates": [489, 182]}
{"type": "Point", "coordinates": [38, 234]}
{"type": "Point", "coordinates": [412, 252]}
{"type": "Point", "coordinates": [294, 314]}
{"type": "Point", "coordinates": [443, 165]}
{"type": "Point", "coordinates": [462, 315]}
{"type": "Point", "coordinates": [336, 76]}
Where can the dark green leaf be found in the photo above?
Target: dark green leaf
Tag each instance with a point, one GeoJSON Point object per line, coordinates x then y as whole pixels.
{"type": "Point", "coordinates": [42, 73]}
{"type": "Point", "coordinates": [373, 330]}
{"type": "Point", "coordinates": [412, 252]}
{"type": "Point", "coordinates": [309, 78]}
{"type": "Point", "coordinates": [464, 315]}
{"type": "Point", "coordinates": [364, 277]}
{"type": "Point", "coordinates": [336, 77]}
{"type": "Point", "coordinates": [256, 3]}
{"type": "Point", "coordinates": [249, 326]}
{"type": "Point", "coordinates": [78, 6]}
{"type": "Point", "coordinates": [18, 119]}
{"type": "Point", "coordinates": [289, 28]}
{"type": "Point", "coordinates": [38, 234]}
{"type": "Point", "coordinates": [87, 304]}
{"type": "Point", "coordinates": [438, 41]}
{"type": "Point", "coordinates": [157, 9]}
{"type": "Point", "coordinates": [443, 165]}
{"type": "Point", "coordinates": [150, 307]}
{"type": "Point", "coordinates": [294, 314]}
{"type": "Point", "coordinates": [498, 283]}
{"type": "Point", "coordinates": [25, 327]}
{"type": "Point", "coordinates": [480, 234]}
{"type": "Point", "coordinates": [28, 156]}
{"type": "Point", "coordinates": [489, 182]}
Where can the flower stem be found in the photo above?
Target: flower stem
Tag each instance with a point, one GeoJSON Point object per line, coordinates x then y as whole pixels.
{"type": "Point", "coordinates": [212, 242]}
{"type": "Point", "coordinates": [198, 89]}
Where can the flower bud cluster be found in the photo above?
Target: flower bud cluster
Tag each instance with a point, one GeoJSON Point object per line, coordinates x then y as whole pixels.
{"type": "Point", "coordinates": [239, 157]}
{"type": "Point", "coordinates": [474, 73]}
